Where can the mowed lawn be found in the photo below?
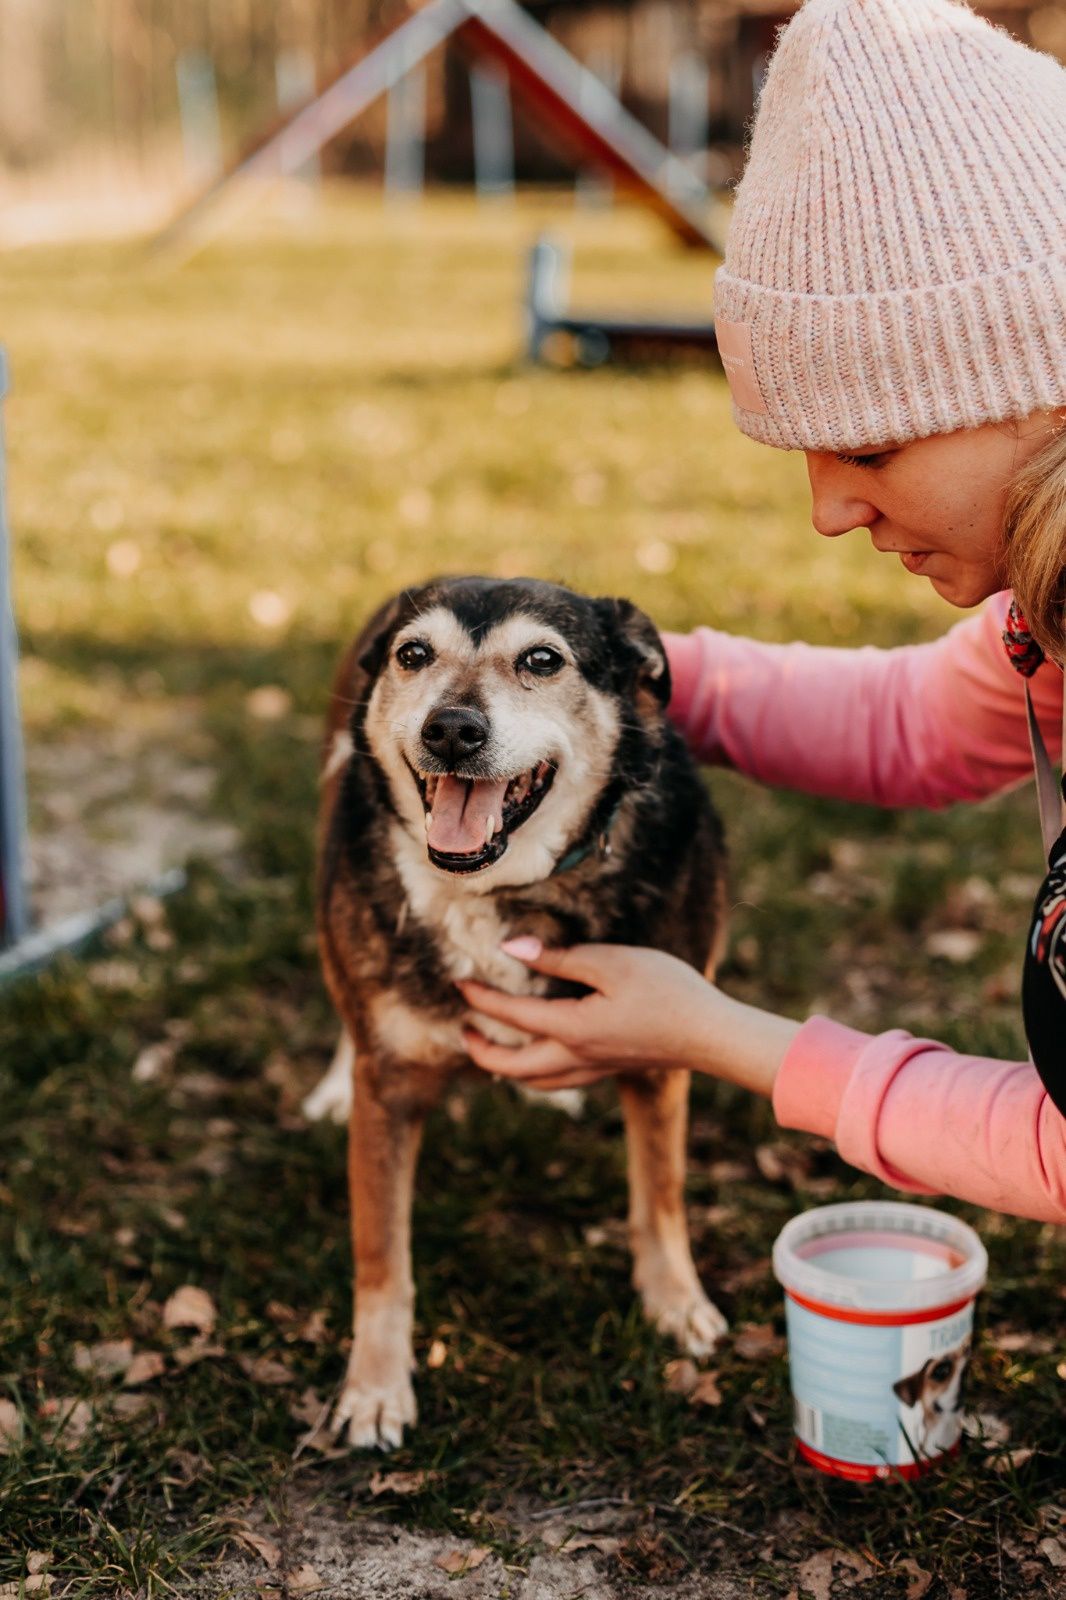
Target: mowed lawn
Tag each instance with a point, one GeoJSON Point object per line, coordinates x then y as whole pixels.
{"type": "Point", "coordinates": [216, 469]}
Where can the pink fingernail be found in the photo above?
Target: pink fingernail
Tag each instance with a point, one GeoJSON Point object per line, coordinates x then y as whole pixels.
{"type": "Point", "coordinates": [524, 948]}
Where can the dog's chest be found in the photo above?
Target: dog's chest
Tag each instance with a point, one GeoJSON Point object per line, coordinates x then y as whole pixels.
{"type": "Point", "coordinates": [465, 927]}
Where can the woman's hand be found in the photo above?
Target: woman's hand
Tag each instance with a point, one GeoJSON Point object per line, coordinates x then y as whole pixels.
{"type": "Point", "coordinates": [647, 1009]}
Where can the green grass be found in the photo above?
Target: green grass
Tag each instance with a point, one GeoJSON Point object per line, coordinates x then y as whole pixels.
{"type": "Point", "coordinates": [328, 415]}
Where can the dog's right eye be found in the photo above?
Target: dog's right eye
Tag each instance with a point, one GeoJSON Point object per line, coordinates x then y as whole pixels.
{"type": "Point", "coordinates": [414, 653]}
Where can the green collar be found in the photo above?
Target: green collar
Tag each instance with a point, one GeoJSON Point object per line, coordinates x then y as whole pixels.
{"type": "Point", "coordinates": [598, 839]}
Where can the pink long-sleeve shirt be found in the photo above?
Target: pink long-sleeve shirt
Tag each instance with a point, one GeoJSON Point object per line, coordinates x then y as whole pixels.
{"type": "Point", "coordinates": [920, 725]}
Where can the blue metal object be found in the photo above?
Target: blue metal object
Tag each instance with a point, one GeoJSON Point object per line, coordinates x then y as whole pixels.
{"type": "Point", "coordinates": [490, 103]}
{"type": "Point", "coordinates": [559, 336]}
{"type": "Point", "coordinates": [14, 912]}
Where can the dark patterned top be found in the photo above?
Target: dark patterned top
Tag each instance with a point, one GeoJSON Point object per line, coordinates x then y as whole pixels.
{"type": "Point", "coordinates": [1044, 971]}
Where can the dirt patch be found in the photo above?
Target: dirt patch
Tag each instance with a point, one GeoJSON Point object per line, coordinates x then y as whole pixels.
{"type": "Point", "coordinates": [111, 811]}
{"type": "Point", "coordinates": [325, 1556]}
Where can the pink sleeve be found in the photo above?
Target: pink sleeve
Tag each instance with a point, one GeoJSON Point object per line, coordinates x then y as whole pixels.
{"type": "Point", "coordinates": [919, 725]}
{"type": "Point", "coordinates": [920, 1117]}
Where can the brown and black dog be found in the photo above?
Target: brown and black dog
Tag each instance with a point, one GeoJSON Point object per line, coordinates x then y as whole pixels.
{"type": "Point", "coordinates": [498, 761]}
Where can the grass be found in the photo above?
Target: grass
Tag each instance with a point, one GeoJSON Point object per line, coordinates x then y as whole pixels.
{"type": "Point", "coordinates": [319, 417]}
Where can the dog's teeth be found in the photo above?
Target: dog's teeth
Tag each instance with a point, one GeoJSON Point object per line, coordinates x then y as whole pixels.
{"type": "Point", "coordinates": [428, 821]}
{"type": "Point", "coordinates": [490, 828]}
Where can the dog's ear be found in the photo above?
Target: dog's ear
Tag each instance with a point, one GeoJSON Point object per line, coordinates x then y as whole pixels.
{"type": "Point", "coordinates": [642, 653]}
{"type": "Point", "coordinates": [910, 1389]}
{"type": "Point", "coordinates": [375, 638]}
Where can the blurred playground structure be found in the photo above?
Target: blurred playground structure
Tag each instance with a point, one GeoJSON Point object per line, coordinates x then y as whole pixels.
{"type": "Point", "coordinates": [112, 110]}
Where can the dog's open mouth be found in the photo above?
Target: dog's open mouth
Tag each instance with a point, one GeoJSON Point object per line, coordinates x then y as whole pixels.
{"type": "Point", "coordinates": [470, 820]}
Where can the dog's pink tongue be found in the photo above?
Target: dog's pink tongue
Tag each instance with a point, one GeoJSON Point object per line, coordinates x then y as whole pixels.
{"type": "Point", "coordinates": [458, 821]}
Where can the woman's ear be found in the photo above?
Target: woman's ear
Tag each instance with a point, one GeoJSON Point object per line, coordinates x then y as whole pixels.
{"type": "Point", "coordinates": [641, 647]}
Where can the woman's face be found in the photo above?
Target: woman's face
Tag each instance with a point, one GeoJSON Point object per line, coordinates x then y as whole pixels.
{"type": "Point", "coordinates": [937, 504]}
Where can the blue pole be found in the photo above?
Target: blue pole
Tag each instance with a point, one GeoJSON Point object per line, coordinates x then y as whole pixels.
{"type": "Point", "coordinates": [15, 914]}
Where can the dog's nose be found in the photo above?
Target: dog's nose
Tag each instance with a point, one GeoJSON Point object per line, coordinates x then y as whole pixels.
{"type": "Point", "coordinates": [455, 733]}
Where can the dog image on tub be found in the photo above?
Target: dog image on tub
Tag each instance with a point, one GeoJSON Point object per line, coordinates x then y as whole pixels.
{"type": "Point", "coordinates": [933, 1396]}
{"type": "Point", "coordinates": [498, 761]}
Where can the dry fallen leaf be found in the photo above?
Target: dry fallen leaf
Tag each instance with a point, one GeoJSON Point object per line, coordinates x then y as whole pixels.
{"type": "Point", "coordinates": [607, 1544]}
{"type": "Point", "coordinates": [146, 1365]}
{"type": "Point", "coordinates": [265, 1370]}
{"type": "Point", "coordinates": [957, 945]}
{"type": "Point", "coordinates": [33, 1583]}
{"type": "Point", "coordinates": [986, 1426]}
{"type": "Point", "coordinates": [681, 1376]}
{"type": "Point", "coordinates": [261, 1546]}
{"type": "Point", "coordinates": [816, 1573]}
{"type": "Point", "coordinates": [706, 1392]}
{"type": "Point", "coordinates": [127, 1406]}
{"type": "Point", "coordinates": [72, 1418]}
{"type": "Point", "coordinates": [1053, 1550]}
{"type": "Point", "coordinates": [37, 1560]}
{"type": "Point", "coordinates": [1034, 1344]}
{"type": "Point", "coordinates": [154, 1060]}
{"type": "Point", "coordinates": [303, 1580]}
{"type": "Point", "coordinates": [104, 1360]}
{"type": "Point", "coordinates": [10, 1427]}
{"type": "Point", "coordinates": [198, 1350]}
{"type": "Point", "coordinates": [190, 1307]}
{"type": "Point", "coordinates": [185, 1467]}
{"type": "Point", "coordinates": [782, 1163]}
{"type": "Point", "coordinates": [315, 1328]}
{"type": "Point", "coordinates": [400, 1482]}
{"type": "Point", "coordinates": [438, 1355]}
{"type": "Point", "coordinates": [460, 1562]}
{"type": "Point", "coordinates": [308, 1408]}
{"type": "Point", "coordinates": [920, 1580]}
{"type": "Point", "coordinates": [754, 1341]}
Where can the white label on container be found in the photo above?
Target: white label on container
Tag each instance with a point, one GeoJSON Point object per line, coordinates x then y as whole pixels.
{"type": "Point", "coordinates": [878, 1396]}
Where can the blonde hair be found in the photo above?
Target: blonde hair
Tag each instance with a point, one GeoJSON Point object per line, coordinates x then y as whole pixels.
{"type": "Point", "coordinates": [1035, 530]}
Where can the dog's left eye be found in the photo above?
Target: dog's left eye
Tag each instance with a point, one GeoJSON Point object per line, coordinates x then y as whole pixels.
{"type": "Point", "coordinates": [413, 653]}
{"type": "Point", "coordinates": [542, 660]}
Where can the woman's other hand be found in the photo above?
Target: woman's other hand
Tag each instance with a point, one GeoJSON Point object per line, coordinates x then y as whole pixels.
{"type": "Point", "coordinates": [646, 1009]}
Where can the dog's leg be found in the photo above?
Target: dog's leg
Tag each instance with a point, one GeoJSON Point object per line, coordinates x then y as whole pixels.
{"type": "Point", "coordinates": [332, 1095]}
{"type": "Point", "coordinates": [377, 1401]}
{"type": "Point", "coordinates": [656, 1118]}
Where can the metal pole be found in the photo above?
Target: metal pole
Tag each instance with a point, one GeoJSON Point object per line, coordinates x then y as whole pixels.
{"type": "Point", "coordinates": [405, 135]}
{"type": "Point", "coordinates": [490, 104]}
{"type": "Point", "coordinates": [201, 132]}
{"type": "Point", "coordinates": [14, 913]}
{"type": "Point", "coordinates": [296, 83]}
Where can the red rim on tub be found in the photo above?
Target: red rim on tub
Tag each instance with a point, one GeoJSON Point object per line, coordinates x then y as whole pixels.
{"type": "Point", "coordinates": [879, 1300]}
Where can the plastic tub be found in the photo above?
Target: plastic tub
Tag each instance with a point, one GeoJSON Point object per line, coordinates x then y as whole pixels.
{"type": "Point", "coordinates": [879, 1300]}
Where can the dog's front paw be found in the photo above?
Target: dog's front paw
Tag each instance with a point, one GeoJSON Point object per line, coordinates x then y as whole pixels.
{"type": "Point", "coordinates": [374, 1414]}
{"type": "Point", "coordinates": [690, 1318]}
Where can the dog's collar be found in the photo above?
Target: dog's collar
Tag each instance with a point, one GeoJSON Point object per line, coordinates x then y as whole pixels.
{"type": "Point", "coordinates": [597, 838]}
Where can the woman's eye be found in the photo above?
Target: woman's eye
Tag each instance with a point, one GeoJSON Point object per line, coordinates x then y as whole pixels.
{"type": "Point", "coordinates": [876, 460]}
{"type": "Point", "coordinates": [414, 654]}
{"type": "Point", "coordinates": [544, 661]}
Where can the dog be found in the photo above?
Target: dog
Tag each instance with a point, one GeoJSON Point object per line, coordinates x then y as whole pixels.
{"type": "Point", "coordinates": [934, 1394]}
{"type": "Point", "coordinates": [498, 761]}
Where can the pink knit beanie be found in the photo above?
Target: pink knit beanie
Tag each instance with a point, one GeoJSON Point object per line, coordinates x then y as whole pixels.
{"type": "Point", "coordinates": [896, 263]}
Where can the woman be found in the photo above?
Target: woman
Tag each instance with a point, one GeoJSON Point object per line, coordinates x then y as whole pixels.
{"type": "Point", "coordinates": [893, 303]}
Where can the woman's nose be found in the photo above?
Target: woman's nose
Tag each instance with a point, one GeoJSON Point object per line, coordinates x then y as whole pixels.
{"type": "Point", "coordinates": [835, 506]}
